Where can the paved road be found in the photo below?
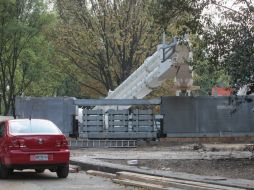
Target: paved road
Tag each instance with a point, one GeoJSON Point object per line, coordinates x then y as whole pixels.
{"type": "Point", "coordinates": [29, 180]}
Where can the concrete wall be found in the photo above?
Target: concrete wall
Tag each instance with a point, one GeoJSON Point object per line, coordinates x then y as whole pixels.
{"type": "Point", "coordinates": [208, 116]}
{"type": "Point", "coordinates": [59, 110]}
{"type": "Point", "coordinates": [183, 116]}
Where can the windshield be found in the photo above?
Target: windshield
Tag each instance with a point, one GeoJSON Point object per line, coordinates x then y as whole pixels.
{"type": "Point", "coordinates": [33, 126]}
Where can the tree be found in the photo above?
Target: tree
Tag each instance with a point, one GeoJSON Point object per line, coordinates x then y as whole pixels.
{"type": "Point", "coordinates": [106, 40]}
{"type": "Point", "coordinates": [20, 22]}
{"type": "Point", "coordinates": [230, 43]}
{"type": "Point", "coordinates": [181, 16]}
{"type": "Point", "coordinates": [222, 38]}
{"type": "Point", "coordinates": [178, 17]}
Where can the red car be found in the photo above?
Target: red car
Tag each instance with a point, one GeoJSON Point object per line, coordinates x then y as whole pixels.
{"type": "Point", "coordinates": [33, 144]}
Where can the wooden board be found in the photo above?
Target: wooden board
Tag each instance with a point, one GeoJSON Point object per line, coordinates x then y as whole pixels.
{"type": "Point", "coordinates": [170, 182]}
{"type": "Point", "coordinates": [139, 184]}
{"type": "Point", "coordinates": [102, 174]}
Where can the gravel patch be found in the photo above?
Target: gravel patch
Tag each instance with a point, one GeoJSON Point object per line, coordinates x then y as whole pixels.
{"type": "Point", "coordinates": [230, 168]}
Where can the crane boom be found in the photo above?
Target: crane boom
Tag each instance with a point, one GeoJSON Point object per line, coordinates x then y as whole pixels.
{"type": "Point", "coordinates": [168, 61]}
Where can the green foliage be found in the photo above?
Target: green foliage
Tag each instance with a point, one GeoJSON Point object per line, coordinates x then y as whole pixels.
{"type": "Point", "coordinates": [36, 74]}
{"type": "Point", "coordinates": [229, 44]}
{"type": "Point", "coordinates": [206, 75]}
{"type": "Point", "coordinates": [180, 15]}
{"type": "Point", "coordinates": [223, 46]}
{"type": "Point", "coordinates": [106, 40]}
{"type": "Point", "coordinates": [22, 57]}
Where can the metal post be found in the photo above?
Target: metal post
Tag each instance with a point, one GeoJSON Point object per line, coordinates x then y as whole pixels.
{"type": "Point", "coordinates": [163, 38]}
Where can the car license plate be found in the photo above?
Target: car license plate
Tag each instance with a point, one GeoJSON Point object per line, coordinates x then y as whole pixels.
{"type": "Point", "coordinates": [39, 157]}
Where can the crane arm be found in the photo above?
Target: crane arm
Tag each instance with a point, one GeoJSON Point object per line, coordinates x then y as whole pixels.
{"type": "Point", "coordinates": [165, 63]}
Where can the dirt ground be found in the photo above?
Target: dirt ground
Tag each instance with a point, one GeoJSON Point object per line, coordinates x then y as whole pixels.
{"type": "Point", "coordinates": [230, 168]}
{"type": "Point", "coordinates": [221, 160]}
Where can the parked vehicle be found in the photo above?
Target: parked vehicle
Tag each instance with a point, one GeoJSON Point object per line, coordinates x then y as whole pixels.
{"type": "Point", "coordinates": [33, 144]}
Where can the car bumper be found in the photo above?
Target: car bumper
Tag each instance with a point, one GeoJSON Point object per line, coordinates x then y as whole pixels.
{"type": "Point", "coordinates": [17, 157]}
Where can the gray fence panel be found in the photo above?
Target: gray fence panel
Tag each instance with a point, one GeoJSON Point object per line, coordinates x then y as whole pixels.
{"type": "Point", "coordinates": [206, 119]}
{"type": "Point", "coordinates": [117, 124]}
{"type": "Point", "coordinates": [143, 120]}
{"type": "Point", "coordinates": [179, 114]}
{"type": "Point", "coordinates": [59, 110]}
{"type": "Point", "coordinates": [208, 116]}
{"type": "Point", "coordinates": [118, 120]}
{"type": "Point", "coordinates": [92, 121]}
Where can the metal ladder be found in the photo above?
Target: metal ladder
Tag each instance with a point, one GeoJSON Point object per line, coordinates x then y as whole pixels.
{"type": "Point", "coordinates": [86, 143]}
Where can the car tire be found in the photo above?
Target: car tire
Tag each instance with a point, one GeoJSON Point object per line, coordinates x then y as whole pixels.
{"type": "Point", "coordinates": [62, 171]}
{"type": "Point", "coordinates": [39, 171]}
{"type": "Point", "coordinates": [3, 171]}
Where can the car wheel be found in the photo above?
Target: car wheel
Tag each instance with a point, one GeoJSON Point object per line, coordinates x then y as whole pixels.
{"type": "Point", "coordinates": [62, 171]}
{"type": "Point", "coordinates": [39, 170]}
{"type": "Point", "coordinates": [3, 171]}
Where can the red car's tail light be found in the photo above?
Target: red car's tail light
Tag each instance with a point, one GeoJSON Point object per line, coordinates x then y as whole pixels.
{"type": "Point", "coordinates": [58, 143]}
{"type": "Point", "coordinates": [62, 144]}
{"type": "Point", "coordinates": [22, 143]}
{"type": "Point", "coordinates": [17, 143]}
{"type": "Point", "coordinates": [14, 144]}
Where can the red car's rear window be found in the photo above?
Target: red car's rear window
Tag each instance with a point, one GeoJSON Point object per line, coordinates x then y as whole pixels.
{"type": "Point", "coordinates": [33, 126]}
